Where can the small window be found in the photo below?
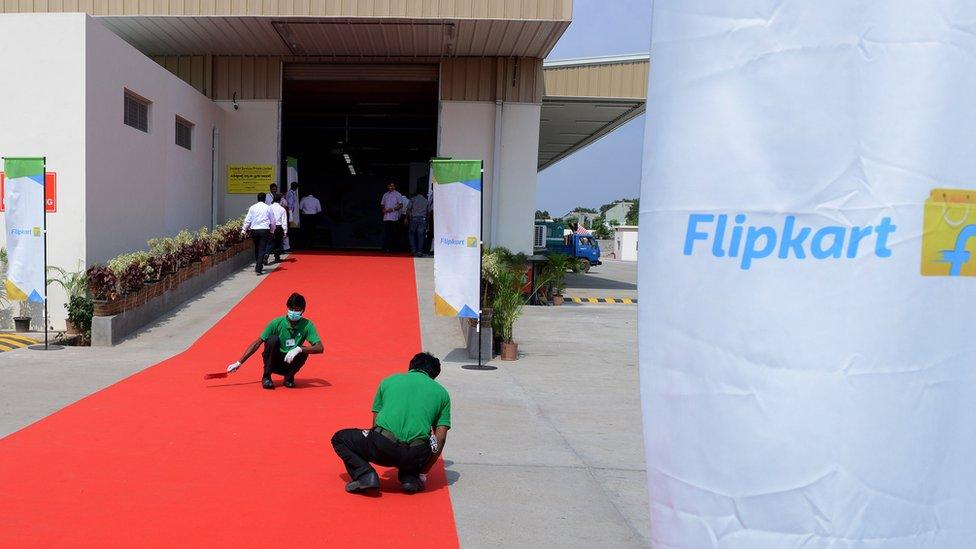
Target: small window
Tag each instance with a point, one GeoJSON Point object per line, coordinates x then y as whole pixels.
{"type": "Point", "coordinates": [136, 112]}
{"type": "Point", "coordinates": [184, 133]}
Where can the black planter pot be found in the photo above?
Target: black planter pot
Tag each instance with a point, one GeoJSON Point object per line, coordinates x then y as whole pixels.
{"type": "Point", "coordinates": [22, 323]}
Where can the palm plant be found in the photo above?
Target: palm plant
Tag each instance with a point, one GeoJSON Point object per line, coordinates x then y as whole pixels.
{"type": "Point", "coordinates": [554, 271]}
{"type": "Point", "coordinates": [507, 303]}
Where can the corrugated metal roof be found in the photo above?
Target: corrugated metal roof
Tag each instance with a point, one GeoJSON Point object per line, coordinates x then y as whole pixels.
{"type": "Point", "coordinates": [568, 125]}
{"type": "Point", "coordinates": [552, 10]}
{"type": "Point", "coordinates": [588, 98]}
{"type": "Point", "coordinates": [337, 37]}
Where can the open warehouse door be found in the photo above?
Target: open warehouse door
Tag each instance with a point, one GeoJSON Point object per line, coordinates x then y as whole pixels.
{"type": "Point", "coordinates": [353, 129]}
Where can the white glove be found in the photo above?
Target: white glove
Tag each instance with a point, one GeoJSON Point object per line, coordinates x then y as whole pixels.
{"type": "Point", "coordinates": [433, 444]}
{"type": "Point", "coordinates": [423, 478]}
{"type": "Point", "coordinates": [233, 367]}
{"type": "Point", "coordinates": [290, 356]}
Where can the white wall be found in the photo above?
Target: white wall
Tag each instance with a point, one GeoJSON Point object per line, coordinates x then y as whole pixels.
{"type": "Point", "coordinates": [466, 131]}
{"type": "Point", "coordinates": [42, 113]}
{"type": "Point", "coordinates": [625, 243]}
{"type": "Point", "coordinates": [518, 174]}
{"type": "Point", "coordinates": [250, 135]}
{"type": "Point", "coordinates": [141, 185]}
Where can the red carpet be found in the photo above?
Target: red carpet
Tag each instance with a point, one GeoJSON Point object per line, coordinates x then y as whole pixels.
{"type": "Point", "coordinates": [166, 459]}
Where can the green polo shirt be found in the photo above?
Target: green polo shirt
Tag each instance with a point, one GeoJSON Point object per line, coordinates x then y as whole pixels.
{"type": "Point", "coordinates": [410, 404]}
{"type": "Point", "coordinates": [290, 336]}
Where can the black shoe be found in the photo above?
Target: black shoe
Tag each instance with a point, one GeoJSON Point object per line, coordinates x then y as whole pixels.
{"type": "Point", "coordinates": [267, 383]}
{"type": "Point", "coordinates": [369, 481]}
{"type": "Point", "coordinates": [412, 486]}
{"type": "Point", "coordinates": [290, 383]}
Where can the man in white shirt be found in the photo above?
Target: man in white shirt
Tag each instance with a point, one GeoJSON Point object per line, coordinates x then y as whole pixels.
{"type": "Point", "coordinates": [260, 222]}
{"type": "Point", "coordinates": [391, 203]}
{"type": "Point", "coordinates": [417, 231]}
{"type": "Point", "coordinates": [276, 244]}
{"type": "Point", "coordinates": [272, 194]}
{"type": "Point", "coordinates": [310, 208]}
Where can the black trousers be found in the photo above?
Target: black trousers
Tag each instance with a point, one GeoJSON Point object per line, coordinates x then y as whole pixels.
{"type": "Point", "coordinates": [391, 235]}
{"type": "Point", "coordinates": [276, 244]}
{"type": "Point", "coordinates": [274, 360]}
{"type": "Point", "coordinates": [260, 238]}
{"type": "Point", "coordinates": [358, 448]}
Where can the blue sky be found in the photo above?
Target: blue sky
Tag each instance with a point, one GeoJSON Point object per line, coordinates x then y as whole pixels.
{"type": "Point", "coordinates": [611, 167]}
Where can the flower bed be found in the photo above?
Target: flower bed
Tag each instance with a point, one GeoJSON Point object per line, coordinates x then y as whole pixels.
{"type": "Point", "coordinates": [130, 280]}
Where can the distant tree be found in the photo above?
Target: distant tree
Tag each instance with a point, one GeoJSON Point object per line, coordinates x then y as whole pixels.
{"type": "Point", "coordinates": [581, 209]}
{"type": "Point", "coordinates": [603, 232]}
{"type": "Point", "coordinates": [541, 214]}
{"type": "Point", "coordinates": [633, 213]}
{"type": "Point", "coordinates": [614, 223]}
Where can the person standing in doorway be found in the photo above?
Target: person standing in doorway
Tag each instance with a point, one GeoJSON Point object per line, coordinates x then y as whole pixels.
{"type": "Point", "coordinates": [291, 199]}
{"type": "Point", "coordinates": [310, 208]}
{"type": "Point", "coordinates": [391, 203]}
{"type": "Point", "coordinates": [406, 408]}
{"type": "Point", "coordinates": [272, 195]}
{"type": "Point", "coordinates": [283, 339]}
{"type": "Point", "coordinates": [276, 244]}
{"type": "Point", "coordinates": [417, 230]}
{"type": "Point", "coordinates": [260, 222]}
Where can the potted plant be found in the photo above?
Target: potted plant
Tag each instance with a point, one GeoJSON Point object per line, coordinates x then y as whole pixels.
{"type": "Point", "coordinates": [23, 319]}
{"type": "Point", "coordinates": [75, 284]}
{"type": "Point", "coordinates": [80, 308]}
{"type": "Point", "coordinates": [554, 273]}
{"type": "Point", "coordinates": [506, 307]}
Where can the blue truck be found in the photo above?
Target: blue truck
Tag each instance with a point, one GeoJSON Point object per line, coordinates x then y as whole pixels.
{"type": "Point", "coordinates": [555, 237]}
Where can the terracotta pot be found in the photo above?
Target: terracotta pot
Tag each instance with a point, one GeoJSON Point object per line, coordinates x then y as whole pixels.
{"type": "Point", "coordinates": [509, 351]}
{"type": "Point", "coordinates": [22, 323]}
{"type": "Point", "coordinates": [71, 328]}
{"type": "Point", "coordinates": [558, 299]}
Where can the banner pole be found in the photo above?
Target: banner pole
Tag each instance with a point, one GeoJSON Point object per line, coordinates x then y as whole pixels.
{"type": "Point", "coordinates": [481, 261]}
{"type": "Point", "coordinates": [481, 279]}
{"type": "Point", "coordinates": [44, 209]}
{"type": "Point", "coordinates": [46, 346]}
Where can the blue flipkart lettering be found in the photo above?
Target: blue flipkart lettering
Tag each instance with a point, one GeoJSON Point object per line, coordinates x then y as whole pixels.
{"type": "Point", "coordinates": [453, 241]}
{"type": "Point", "coordinates": [749, 243]}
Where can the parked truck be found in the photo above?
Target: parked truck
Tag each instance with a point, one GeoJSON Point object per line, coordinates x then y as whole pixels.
{"type": "Point", "coordinates": [556, 237]}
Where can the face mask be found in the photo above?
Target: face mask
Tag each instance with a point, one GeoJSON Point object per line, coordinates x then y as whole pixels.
{"type": "Point", "coordinates": [294, 315]}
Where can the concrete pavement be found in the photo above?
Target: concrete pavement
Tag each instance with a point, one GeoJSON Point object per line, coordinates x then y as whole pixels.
{"type": "Point", "coordinates": [545, 451]}
{"type": "Point", "coordinates": [612, 279]}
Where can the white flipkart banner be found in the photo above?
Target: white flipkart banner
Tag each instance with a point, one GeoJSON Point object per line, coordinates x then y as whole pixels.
{"type": "Point", "coordinates": [457, 232]}
{"type": "Point", "coordinates": [808, 227]}
{"type": "Point", "coordinates": [23, 197]}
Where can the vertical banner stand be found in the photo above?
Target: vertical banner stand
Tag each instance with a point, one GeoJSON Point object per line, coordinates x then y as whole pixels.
{"type": "Point", "coordinates": [47, 323]}
{"type": "Point", "coordinates": [481, 279]}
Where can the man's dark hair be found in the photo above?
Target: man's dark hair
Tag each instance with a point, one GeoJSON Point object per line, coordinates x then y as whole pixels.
{"type": "Point", "coordinates": [275, 185]}
{"type": "Point", "coordinates": [426, 362]}
{"type": "Point", "coordinates": [262, 197]}
{"type": "Point", "coordinates": [296, 302]}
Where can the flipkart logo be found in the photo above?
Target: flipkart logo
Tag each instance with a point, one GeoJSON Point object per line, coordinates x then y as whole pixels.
{"type": "Point", "coordinates": [735, 238]}
{"type": "Point", "coordinates": [472, 241]}
{"type": "Point", "coordinates": [949, 233]}
{"type": "Point", "coordinates": [37, 231]}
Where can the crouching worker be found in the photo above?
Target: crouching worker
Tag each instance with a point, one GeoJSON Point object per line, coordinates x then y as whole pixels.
{"type": "Point", "coordinates": [283, 339]}
{"type": "Point", "coordinates": [407, 407]}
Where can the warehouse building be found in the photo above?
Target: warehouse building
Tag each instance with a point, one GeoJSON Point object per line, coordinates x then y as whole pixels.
{"type": "Point", "coordinates": [142, 109]}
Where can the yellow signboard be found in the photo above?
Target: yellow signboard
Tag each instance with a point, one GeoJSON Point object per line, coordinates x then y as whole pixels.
{"type": "Point", "coordinates": [249, 178]}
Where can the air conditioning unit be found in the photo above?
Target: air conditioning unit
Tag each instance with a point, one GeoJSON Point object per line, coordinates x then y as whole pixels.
{"type": "Point", "coordinates": [540, 236]}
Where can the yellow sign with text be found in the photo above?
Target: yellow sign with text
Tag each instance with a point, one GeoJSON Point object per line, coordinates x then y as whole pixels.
{"type": "Point", "coordinates": [949, 233]}
{"type": "Point", "coordinates": [249, 178]}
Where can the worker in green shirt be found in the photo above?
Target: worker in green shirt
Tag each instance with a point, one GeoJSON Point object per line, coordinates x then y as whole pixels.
{"type": "Point", "coordinates": [284, 353]}
{"type": "Point", "coordinates": [407, 407]}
